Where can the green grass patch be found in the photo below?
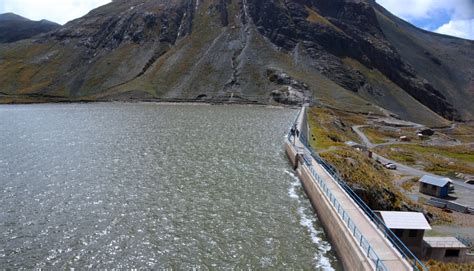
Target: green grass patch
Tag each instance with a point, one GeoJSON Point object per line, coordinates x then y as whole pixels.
{"type": "Point", "coordinates": [331, 128]}
{"type": "Point", "coordinates": [371, 181]}
{"type": "Point", "coordinates": [444, 161]}
{"type": "Point", "coordinates": [463, 132]}
{"type": "Point", "coordinates": [456, 152]}
{"type": "Point", "coordinates": [372, 74]}
{"type": "Point", "coordinates": [401, 156]}
{"type": "Point", "coordinates": [316, 18]}
{"type": "Point", "coordinates": [375, 136]}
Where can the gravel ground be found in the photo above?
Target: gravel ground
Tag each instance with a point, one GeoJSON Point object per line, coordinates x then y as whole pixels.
{"type": "Point", "coordinates": [452, 230]}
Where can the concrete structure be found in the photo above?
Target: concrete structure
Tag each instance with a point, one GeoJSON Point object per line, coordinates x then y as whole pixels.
{"type": "Point", "coordinates": [434, 186]}
{"type": "Point", "coordinates": [445, 249]}
{"type": "Point", "coordinates": [356, 145]}
{"type": "Point", "coordinates": [357, 240]}
{"type": "Point", "coordinates": [426, 132]}
{"type": "Point", "coordinates": [404, 139]}
{"type": "Point", "coordinates": [408, 226]}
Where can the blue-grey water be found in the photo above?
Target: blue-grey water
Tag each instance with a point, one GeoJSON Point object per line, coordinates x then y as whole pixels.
{"type": "Point", "coordinates": [152, 186]}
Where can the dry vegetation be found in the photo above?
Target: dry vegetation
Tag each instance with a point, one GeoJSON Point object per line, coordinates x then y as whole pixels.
{"type": "Point", "coordinates": [368, 178]}
{"type": "Point", "coordinates": [372, 74]}
{"type": "Point", "coordinates": [375, 185]}
{"type": "Point", "coordinates": [436, 215]}
{"type": "Point", "coordinates": [463, 132]}
{"type": "Point", "coordinates": [378, 136]}
{"type": "Point", "coordinates": [409, 184]}
{"type": "Point", "coordinates": [314, 17]}
{"type": "Point", "coordinates": [435, 159]}
{"type": "Point", "coordinates": [330, 128]}
{"type": "Point", "coordinates": [439, 266]}
{"type": "Point", "coordinates": [386, 134]}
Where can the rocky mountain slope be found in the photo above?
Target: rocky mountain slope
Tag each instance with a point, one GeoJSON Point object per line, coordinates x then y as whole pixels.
{"type": "Point", "coordinates": [350, 54]}
{"type": "Point", "coordinates": [14, 27]}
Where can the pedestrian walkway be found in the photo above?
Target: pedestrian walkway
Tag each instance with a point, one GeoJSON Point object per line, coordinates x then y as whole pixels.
{"type": "Point", "coordinates": [382, 253]}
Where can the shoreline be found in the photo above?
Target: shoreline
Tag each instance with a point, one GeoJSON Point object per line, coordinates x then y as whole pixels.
{"type": "Point", "coordinates": [16, 100]}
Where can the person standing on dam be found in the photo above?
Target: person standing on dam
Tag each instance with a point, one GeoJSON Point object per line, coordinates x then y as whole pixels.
{"type": "Point", "coordinates": [292, 133]}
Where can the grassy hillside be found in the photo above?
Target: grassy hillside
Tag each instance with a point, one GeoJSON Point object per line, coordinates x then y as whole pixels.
{"type": "Point", "coordinates": [14, 27]}
{"type": "Point", "coordinates": [435, 159]}
{"type": "Point", "coordinates": [443, 60]}
{"type": "Point", "coordinates": [220, 49]}
{"type": "Point", "coordinates": [329, 128]}
{"type": "Point", "coordinates": [390, 96]}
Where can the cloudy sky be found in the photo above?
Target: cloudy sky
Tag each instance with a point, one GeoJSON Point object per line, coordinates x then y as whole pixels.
{"type": "Point", "coordinates": [59, 11]}
{"type": "Point", "coordinates": [451, 17]}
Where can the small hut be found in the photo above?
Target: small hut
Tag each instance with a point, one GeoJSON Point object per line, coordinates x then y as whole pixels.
{"type": "Point", "coordinates": [435, 186]}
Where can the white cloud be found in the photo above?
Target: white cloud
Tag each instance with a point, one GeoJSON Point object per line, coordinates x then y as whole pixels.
{"type": "Point", "coordinates": [420, 9]}
{"type": "Point", "coordinates": [60, 11]}
{"type": "Point", "coordinates": [461, 13]}
{"type": "Point", "coordinates": [458, 28]}
{"type": "Point", "coordinates": [407, 8]}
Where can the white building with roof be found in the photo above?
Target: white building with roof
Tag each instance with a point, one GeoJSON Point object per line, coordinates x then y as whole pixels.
{"type": "Point", "coordinates": [408, 226]}
{"type": "Point", "coordinates": [446, 249]}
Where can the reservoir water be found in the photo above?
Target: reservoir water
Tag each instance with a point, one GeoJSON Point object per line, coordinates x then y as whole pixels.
{"type": "Point", "coordinates": [153, 186]}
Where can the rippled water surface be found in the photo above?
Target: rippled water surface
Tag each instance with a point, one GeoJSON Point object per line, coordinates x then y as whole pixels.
{"type": "Point", "coordinates": [152, 186]}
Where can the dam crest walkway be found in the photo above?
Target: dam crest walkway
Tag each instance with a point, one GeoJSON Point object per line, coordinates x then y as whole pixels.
{"type": "Point", "coordinates": [351, 225]}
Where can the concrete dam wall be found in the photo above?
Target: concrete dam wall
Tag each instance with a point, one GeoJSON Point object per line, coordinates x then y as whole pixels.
{"type": "Point", "coordinates": [358, 242]}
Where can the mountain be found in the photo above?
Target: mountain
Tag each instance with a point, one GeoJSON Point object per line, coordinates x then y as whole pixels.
{"type": "Point", "coordinates": [14, 27]}
{"type": "Point", "coordinates": [350, 54]}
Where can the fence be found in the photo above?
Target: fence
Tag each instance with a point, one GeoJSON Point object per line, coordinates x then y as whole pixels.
{"type": "Point", "coordinates": [453, 206]}
{"type": "Point", "coordinates": [361, 240]}
{"type": "Point", "coordinates": [396, 242]}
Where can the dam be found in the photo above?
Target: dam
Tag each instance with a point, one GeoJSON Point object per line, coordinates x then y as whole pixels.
{"type": "Point", "coordinates": [360, 238]}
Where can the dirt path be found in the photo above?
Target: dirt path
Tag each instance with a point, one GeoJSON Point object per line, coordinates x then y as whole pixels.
{"type": "Point", "coordinates": [401, 168]}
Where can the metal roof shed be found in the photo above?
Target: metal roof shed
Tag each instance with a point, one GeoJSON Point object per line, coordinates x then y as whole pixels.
{"type": "Point", "coordinates": [409, 227]}
{"type": "Point", "coordinates": [446, 249]}
{"type": "Point", "coordinates": [405, 220]}
{"type": "Point", "coordinates": [440, 182]}
{"type": "Point", "coordinates": [444, 242]}
{"type": "Point", "coordinates": [435, 186]}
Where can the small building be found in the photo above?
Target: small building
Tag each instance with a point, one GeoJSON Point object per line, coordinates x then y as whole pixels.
{"type": "Point", "coordinates": [426, 132]}
{"type": "Point", "coordinates": [356, 145]}
{"type": "Point", "coordinates": [435, 186]}
{"type": "Point", "coordinates": [404, 139]}
{"type": "Point", "coordinates": [409, 227]}
{"type": "Point", "coordinates": [445, 249]}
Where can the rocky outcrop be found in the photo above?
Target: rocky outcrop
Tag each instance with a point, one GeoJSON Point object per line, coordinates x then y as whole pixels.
{"type": "Point", "coordinates": [288, 90]}
{"type": "Point", "coordinates": [289, 95]}
{"type": "Point", "coordinates": [138, 27]}
{"type": "Point", "coordinates": [331, 30]}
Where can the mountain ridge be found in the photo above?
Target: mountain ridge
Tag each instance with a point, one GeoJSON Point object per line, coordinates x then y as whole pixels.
{"type": "Point", "coordinates": [340, 53]}
{"type": "Point", "coordinates": [14, 27]}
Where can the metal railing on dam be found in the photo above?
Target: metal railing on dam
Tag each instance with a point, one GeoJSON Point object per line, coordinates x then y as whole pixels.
{"type": "Point", "coordinates": [309, 155]}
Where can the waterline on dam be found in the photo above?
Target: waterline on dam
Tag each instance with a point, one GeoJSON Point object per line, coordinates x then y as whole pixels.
{"type": "Point", "coordinates": [308, 220]}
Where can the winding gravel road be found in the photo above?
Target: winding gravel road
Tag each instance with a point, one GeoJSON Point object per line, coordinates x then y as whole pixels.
{"type": "Point", "coordinates": [401, 168]}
